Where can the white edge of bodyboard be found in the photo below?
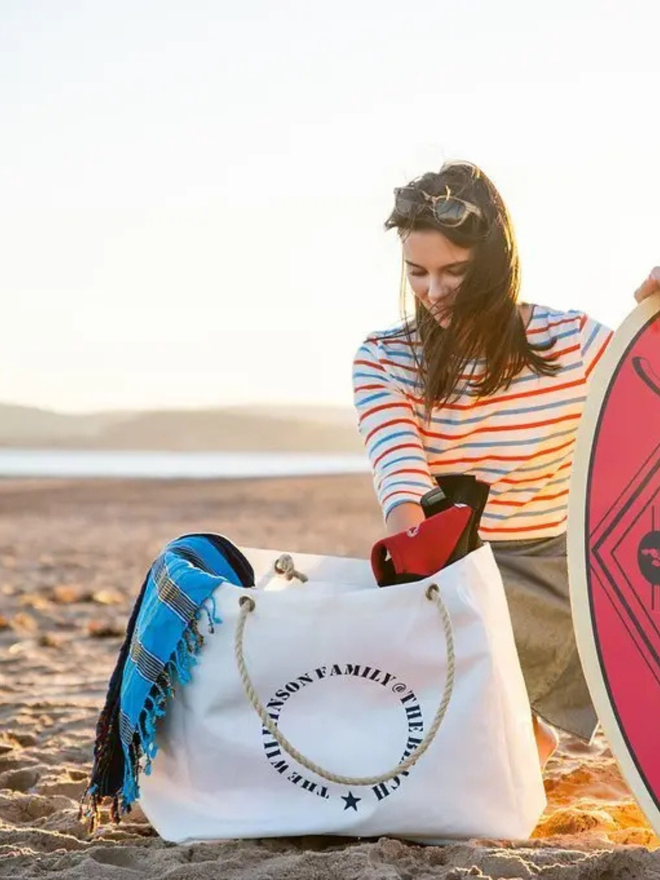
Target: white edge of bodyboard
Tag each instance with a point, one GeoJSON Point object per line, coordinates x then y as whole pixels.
{"type": "Point", "coordinates": [577, 561]}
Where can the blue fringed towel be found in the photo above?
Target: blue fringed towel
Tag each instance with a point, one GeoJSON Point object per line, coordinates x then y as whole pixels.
{"type": "Point", "coordinates": [161, 647]}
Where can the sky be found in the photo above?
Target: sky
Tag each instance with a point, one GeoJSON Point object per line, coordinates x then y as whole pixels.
{"type": "Point", "coordinates": [193, 194]}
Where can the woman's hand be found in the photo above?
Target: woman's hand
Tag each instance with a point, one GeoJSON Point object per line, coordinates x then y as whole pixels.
{"type": "Point", "coordinates": [405, 516]}
{"type": "Point", "coordinates": [650, 286]}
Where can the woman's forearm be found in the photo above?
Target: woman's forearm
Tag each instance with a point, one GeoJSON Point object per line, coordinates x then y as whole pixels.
{"type": "Point", "coordinates": [404, 517]}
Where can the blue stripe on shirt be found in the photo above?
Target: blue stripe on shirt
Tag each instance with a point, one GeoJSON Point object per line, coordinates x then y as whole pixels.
{"type": "Point", "coordinates": [394, 436]}
{"type": "Point", "coordinates": [505, 413]}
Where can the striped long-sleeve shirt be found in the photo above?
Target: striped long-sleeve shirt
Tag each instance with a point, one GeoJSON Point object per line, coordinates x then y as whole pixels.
{"type": "Point", "coordinates": [519, 440]}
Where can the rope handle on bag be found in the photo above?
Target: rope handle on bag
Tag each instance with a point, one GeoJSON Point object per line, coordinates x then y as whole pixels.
{"type": "Point", "coordinates": [248, 605]}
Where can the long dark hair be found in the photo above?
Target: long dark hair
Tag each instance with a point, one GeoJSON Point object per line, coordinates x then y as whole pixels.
{"type": "Point", "coordinates": [485, 321]}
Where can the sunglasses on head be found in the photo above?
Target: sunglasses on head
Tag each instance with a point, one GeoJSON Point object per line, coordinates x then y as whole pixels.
{"type": "Point", "coordinates": [447, 209]}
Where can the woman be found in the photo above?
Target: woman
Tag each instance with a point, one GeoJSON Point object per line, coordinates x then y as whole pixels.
{"type": "Point", "coordinates": [480, 383]}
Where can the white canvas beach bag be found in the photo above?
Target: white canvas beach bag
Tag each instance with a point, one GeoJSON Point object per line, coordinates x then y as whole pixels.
{"type": "Point", "coordinates": [398, 711]}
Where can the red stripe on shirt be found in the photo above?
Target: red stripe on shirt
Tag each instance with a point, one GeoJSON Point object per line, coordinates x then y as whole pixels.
{"type": "Point", "coordinates": [388, 425]}
{"type": "Point", "coordinates": [409, 491]}
{"type": "Point", "coordinates": [488, 401]}
{"type": "Point", "coordinates": [370, 364]}
{"type": "Point", "coordinates": [550, 326]}
{"type": "Point", "coordinates": [383, 406]}
{"type": "Point", "coordinates": [487, 429]}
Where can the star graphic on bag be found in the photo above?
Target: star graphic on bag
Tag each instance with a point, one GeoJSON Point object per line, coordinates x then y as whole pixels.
{"type": "Point", "coordinates": [351, 802]}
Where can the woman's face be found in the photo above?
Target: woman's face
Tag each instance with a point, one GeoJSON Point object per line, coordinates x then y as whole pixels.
{"type": "Point", "coordinates": [435, 267]}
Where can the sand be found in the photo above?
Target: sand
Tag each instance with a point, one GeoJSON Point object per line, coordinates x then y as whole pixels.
{"type": "Point", "coordinates": [72, 558]}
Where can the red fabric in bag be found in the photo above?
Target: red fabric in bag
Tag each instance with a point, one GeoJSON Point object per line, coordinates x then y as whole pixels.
{"type": "Point", "coordinates": [422, 550]}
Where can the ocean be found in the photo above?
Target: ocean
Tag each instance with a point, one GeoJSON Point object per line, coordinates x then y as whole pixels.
{"type": "Point", "coordinates": [173, 465]}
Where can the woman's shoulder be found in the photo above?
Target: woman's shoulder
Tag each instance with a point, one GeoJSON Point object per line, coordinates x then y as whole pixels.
{"type": "Point", "coordinates": [564, 323]}
{"type": "Point", "coordinates": [388, 355]}
{"type": "Point", "coordinates": [548, 318]}
{"type": "Point", "coordinates": [401, 337]}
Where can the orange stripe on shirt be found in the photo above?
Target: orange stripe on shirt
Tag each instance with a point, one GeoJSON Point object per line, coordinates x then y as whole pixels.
{"type": "Point", "coordinates": [531, 501]}
{"type": "Point", "coordinates": [591, 366]}
{"type": "Point", "coordinates": [537, 528]}
{"type": "Point", "coordinates": [511, 482]}
{"type": "Point", "coordinates": [519, 458]}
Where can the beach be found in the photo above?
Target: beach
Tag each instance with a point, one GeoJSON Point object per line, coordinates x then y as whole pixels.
{"type": "Point", "coordinates": [73, 554]}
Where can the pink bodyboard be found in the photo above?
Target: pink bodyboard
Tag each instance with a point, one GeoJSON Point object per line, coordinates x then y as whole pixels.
{"type": "Point", "coordinates": [614, 549]}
